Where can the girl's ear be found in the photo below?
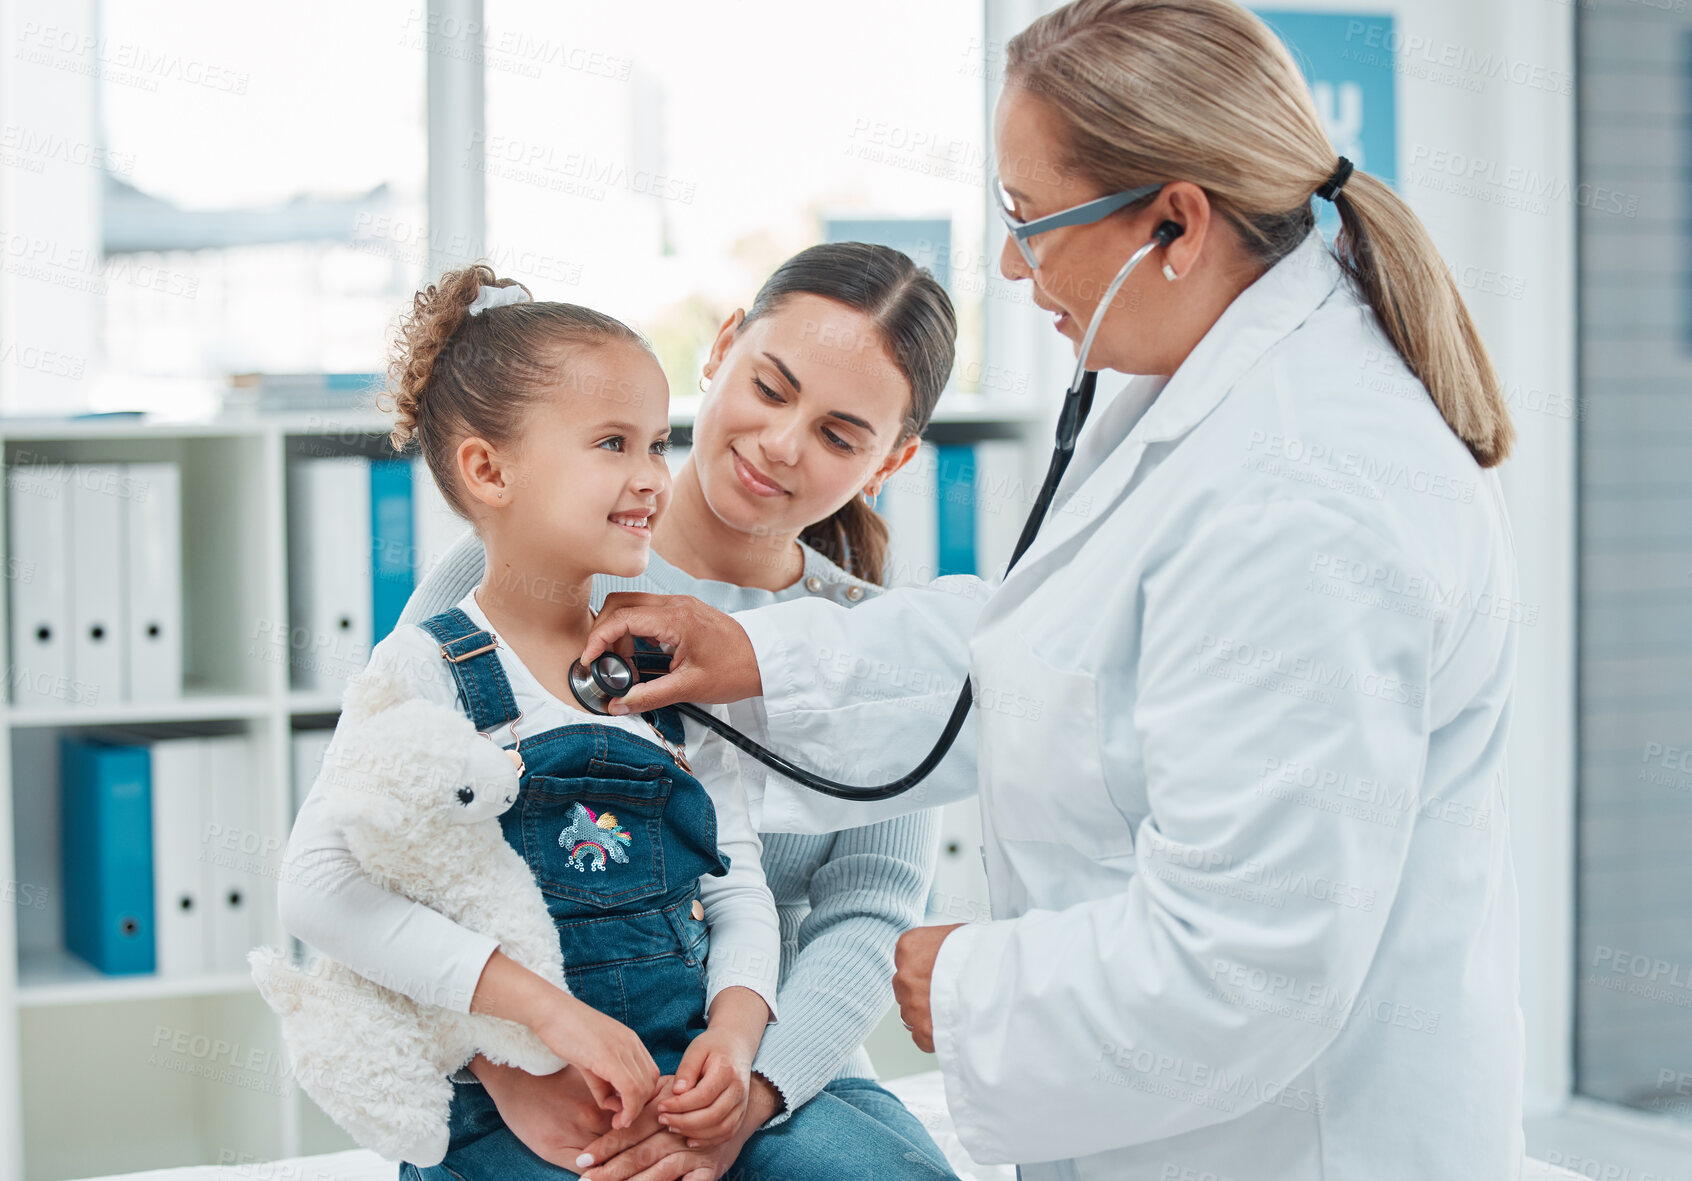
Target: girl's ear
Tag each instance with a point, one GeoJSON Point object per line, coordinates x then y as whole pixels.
{"type": "Point", "coordinates": [482, 472]}
{"type": "Point", "coordinates": [724, 341]}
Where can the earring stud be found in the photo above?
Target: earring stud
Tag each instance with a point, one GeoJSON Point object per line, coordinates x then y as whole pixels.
{"type": "Point", "coordinates": [1169, 273]}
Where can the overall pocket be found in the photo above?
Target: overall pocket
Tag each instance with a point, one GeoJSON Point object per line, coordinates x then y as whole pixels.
{"type": "Point", "coordinates": [597, 839]}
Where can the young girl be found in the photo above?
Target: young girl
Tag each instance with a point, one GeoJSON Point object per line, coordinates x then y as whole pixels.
{"type": "Point", "coordinates": [546, 424]}
{"type": "Point", "coordinates": [824, 383]}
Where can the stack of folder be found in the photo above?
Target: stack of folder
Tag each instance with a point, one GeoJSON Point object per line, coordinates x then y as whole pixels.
{"type": "Point", "coordinates": [96, 582]}
{"type": "Point", "coordinates": [956, 508]}
{"type": "Point", "coordinates": [163, 852]}
{"type": "Point", "coordinates": [361, 533]}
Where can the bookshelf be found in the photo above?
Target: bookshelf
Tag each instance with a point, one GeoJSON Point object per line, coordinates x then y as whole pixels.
{"type": "Point", "coordinates": [103, 1074]}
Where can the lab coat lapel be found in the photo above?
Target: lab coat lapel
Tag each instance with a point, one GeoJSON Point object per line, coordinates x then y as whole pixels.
{"type": "Point", "coordinates": [1115, 440]}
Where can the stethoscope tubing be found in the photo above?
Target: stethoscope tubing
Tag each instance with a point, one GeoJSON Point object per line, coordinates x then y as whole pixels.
{"type": "Point", "coordinates": [1077, 404]}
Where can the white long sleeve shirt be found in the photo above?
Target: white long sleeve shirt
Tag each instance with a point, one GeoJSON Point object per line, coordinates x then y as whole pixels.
{"type": "Point", "coordinates": [326, 900]}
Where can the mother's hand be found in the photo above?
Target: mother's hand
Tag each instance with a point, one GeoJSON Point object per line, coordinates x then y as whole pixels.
{"type": "Point", "coordinates": [554, 1115]}
{"type": "Point", "coordinates": [711, 658]}
{"type": "Point", "coordinates": [649, 1152]}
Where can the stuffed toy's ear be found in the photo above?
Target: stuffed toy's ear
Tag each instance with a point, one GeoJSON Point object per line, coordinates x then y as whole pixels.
{"type": "Point", "coordinates": [372, 691]}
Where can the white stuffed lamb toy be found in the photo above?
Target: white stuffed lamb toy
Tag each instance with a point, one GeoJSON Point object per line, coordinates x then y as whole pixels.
{"type": "Point", "coordinates": [418, 793]}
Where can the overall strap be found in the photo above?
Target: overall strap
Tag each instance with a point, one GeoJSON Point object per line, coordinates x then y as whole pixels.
{"type": "Point", "coordinates": [652, 661]}
{"type": "Point", "coordinates": [471, 654]}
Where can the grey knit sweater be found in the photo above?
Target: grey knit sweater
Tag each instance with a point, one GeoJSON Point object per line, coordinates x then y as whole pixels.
{"type": "Point", "coordinates": [843, 898]}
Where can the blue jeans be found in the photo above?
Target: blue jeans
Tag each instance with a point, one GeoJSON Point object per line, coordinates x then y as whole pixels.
{"type": "Point", "coordinates": [855, 1130]}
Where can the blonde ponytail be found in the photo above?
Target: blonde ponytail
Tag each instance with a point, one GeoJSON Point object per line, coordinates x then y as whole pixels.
{"type": "Point", "coordinates": [1396, 268]}
{"type": "Point", "coordinates": [1203, 91]}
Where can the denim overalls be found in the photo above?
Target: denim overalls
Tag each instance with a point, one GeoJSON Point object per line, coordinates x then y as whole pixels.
{"type": "Point", "coordinates": [617, 836]}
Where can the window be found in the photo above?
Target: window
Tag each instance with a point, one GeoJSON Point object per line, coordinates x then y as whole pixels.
{"type": "Point", "coordinates": [1633, 991]}
{"type": "Point", "coordinates": [258, 164]}
{"type": "Point", "coordinates": [661, 179]}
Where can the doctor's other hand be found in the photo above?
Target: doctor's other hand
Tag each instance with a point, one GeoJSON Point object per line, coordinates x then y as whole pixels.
{"type": "Point", "coordinates": [913, 974]}
{"type": "Point", "coordinates": [711, 658]}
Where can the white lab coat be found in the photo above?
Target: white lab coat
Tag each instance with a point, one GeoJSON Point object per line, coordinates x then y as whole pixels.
{"type": "Point", "coordinates": [1241, 724]}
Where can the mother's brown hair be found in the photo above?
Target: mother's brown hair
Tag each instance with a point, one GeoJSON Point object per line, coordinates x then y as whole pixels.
{"type": "Point", "coordinates": [914, 317]}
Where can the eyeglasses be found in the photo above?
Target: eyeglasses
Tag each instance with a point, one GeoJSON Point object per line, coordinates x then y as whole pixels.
{"type": "Point", "coordinates": [1076, 215]}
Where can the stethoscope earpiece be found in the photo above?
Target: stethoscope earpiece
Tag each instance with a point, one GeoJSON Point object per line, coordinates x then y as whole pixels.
{"type": "Point", "coordinates": [609, 676]}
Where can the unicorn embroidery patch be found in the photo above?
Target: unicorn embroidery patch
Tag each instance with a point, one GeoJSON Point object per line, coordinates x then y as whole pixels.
{"type": "Point", "coordinates": [591, 839]}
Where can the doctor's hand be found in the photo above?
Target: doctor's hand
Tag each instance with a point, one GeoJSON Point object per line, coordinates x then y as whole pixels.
{"type": "Point", "coordinates": [913, 974]}
{"type": "Point", "coordinates": [711, 658]}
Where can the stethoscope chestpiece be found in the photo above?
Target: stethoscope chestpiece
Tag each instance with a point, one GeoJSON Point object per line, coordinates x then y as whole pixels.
{"type": "Point", "coordinates": [594, 686]}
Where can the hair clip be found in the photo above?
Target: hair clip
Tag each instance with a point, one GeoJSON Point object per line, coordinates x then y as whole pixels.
{"type": "Point", "coordinates": [496, 297]}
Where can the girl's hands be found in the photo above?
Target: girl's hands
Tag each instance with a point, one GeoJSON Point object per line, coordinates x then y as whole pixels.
{"type": "Point", "coordinates": [647, 1152]}
{"type": "Point", "coordinates": [616, 1067]}
{"type": "Point", "coordinates": [711, 657]}
{"type": "Point", "coordinates": [614, 1064]}
{"type": "Point", "coordinates": [707, 1100]}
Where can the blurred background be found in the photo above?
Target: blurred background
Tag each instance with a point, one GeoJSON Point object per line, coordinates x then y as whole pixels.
{"type": "Point", "coordinates": [211, 215]}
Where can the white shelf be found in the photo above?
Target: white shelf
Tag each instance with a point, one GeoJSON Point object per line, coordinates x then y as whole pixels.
{"type": "Point", "coordinates": [314, 701]}
{"type": "Point", "coordinates": [208, 707]}
{"type": "Point", "coordinates": [126, 427]}
{"type": "Point", "coordinates": [60, 1018]}
{"type": "Point", "coordinates": [954, 407]}
{"type": "Point", "coordinates": [59, 978]}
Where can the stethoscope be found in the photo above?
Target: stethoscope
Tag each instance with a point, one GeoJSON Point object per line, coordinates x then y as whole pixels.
{"type": "Point", "coordinates": [611, 676]}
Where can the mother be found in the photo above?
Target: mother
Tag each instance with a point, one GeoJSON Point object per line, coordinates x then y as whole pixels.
{"type": "Point", "coordinates": [1242, 769]}
{"type": "Point", "coordinates": [818, 394]}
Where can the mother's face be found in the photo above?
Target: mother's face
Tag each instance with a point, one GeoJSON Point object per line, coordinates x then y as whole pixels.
{"type": "Point", "coordinates": [805, 411]}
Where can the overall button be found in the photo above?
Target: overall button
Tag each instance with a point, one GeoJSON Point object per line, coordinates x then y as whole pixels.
{"type": "Point", "coordinates": [813, 584]}
{"type": "Point", "coordinates": [698, 910]}
{"type": "Point", "coordinates": [854, 593]}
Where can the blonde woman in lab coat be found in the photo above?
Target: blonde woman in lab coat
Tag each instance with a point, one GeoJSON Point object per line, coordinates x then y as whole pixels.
{"type": "Point", "coordinates": [1241, 709]}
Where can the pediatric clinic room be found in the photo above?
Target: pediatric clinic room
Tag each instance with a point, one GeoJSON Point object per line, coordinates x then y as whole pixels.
{"type": "Point", "coordinates": [368, 370]}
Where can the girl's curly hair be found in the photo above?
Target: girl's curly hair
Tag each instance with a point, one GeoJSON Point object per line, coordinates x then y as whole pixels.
{"type": "Point", "coordinates": [451, 374]}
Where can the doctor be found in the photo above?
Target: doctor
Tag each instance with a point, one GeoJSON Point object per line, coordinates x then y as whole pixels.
{"type": "Point", "coordinates": [1241, 710]}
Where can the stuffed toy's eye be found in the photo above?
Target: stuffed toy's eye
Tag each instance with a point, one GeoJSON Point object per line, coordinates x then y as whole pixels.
{"type": "Point", "coordinates": [466, 794]}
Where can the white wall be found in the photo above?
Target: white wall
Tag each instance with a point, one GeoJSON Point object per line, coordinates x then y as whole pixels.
{"type": "Point", "coordinates": [51, 268]}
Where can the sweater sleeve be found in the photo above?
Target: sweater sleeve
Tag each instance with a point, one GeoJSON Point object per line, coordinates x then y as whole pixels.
{"type": "Point", "coordinates": [873, 887]}
{"type": "Point", "coordinates": [453, 577]}
{"type": "Point", "coordinates": [739, 908]}
{"type": "Point", "coordinates": [326, 900]}
{"type": "Point", "coordinates": [860, 694]}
